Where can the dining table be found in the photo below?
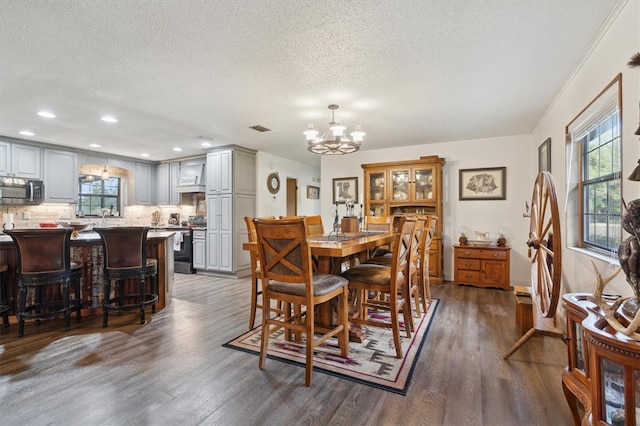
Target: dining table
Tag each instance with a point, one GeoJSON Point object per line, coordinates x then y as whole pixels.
{"type": "Point", "coordinates": [333, 252]}
{"type": "Point", "coordinates": [330, 251]}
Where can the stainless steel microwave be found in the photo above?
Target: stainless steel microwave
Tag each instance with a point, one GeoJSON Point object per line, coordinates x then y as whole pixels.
{"type": "Point", "coordinates": [17, 191]}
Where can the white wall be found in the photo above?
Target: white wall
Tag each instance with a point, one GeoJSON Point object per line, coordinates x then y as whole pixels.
{"type": "Point", "coordinates": [484, 216]}
{"type": "Point", "coordinates": [268, 204]}
{"type": "Point", "coordinates": [608, 57]}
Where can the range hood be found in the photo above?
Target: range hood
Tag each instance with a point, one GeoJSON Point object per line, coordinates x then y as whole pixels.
{"type": "Point", "coordinates": [191, 178]}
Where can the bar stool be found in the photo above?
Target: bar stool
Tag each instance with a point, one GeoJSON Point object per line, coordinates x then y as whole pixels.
{"type": "Point", "coordinates": [4, 302]}
{"type": "Point", "coordinates": [125, 257]}
{"type": "Point", "coordinates": [44, 265]}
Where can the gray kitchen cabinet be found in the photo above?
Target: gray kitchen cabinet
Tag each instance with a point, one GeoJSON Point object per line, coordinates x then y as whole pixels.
{"type": "Point", "coordinates": [219, 172]}
{"type": "Point", "coordinates": [167, 181]}
{"type": "Point", "coordinates": [60, 176]}
{"type": "Point", "coordinates": [5, 159]}
{"type": "Point", "coordinates": [220, 233]}
{"type": "Point", "coordinates": [230, 195]}
{"type": "Point", "coordinates": [199, 249]}
{"type": "Point", "coordinates": [144, 181]}
{"type": "Point", "coordinates": [23, 161]}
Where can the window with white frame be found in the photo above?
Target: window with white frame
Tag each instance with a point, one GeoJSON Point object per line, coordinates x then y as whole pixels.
{"type": "Point", "coordinates": [594, 164]}
{"type": "Point", "coordinates": [95, 194]}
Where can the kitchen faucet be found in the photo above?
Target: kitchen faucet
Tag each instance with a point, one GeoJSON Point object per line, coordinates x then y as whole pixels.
{"type": "Point", "coordinates": [104, 212]}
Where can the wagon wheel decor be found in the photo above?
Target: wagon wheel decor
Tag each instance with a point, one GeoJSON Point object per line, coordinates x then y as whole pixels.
{"type": "Point", "coordinates": [546, 261]}
{"type": "Point", "coordinates": [545, 252]}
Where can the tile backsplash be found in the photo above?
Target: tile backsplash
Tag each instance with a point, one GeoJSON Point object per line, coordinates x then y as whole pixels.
{"type": "Point", "coordinates": [31, 216]}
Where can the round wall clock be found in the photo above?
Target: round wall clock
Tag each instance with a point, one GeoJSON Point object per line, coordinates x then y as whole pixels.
{"type": "Point", "coordinates": [273, 183]}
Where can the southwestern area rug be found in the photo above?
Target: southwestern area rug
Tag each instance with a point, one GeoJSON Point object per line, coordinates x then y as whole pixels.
{"type": "Point", "coordinates": [371, 362]}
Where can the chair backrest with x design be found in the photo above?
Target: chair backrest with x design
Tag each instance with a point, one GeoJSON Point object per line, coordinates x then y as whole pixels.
{"type": "Point", "coordinates": [284, 251]}
{"type": "Point", "coordinates": [406, 233]}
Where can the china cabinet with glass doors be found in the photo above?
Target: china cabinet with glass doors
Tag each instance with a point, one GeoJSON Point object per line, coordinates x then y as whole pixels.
{"type": "Point", "coordinates": [411, 187]}
{"type": "Point", "coordinates": [602, 380]}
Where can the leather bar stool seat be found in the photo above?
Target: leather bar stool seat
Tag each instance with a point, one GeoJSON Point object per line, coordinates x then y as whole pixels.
{"type": "Point", "coordinates": [125, 258]}
{"type": "Point", "coordinates": [45, 272]}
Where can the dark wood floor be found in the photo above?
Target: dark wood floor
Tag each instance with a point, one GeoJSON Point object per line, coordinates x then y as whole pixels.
{"type": "Point", "coordinates": [174, 370]}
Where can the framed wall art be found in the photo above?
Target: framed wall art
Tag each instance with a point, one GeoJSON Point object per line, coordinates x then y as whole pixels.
{"type": "Point", "coordinates": [483, 184]}
{"type": "Point", "coordinates": [345, 189]}
{"type": "Point", "coordinates": [313, 192]}
{"type": "Point", "coordinates": [544, 156]}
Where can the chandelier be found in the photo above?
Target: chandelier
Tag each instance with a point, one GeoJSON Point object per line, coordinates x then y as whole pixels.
{"type": "Point", "coordinates": [333, 141]}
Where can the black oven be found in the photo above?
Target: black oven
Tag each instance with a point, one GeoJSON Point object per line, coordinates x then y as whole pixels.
{"type": "Point", "coordinates": [183, 251]}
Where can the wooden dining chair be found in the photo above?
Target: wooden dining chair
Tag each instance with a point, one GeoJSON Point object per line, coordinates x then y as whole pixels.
{"type": "Point", "coordinates": [256, 287]}
{"type": "Point", "coordinates": [411, 290]}
{"type": "Point", "coordinates": [287, 276]}
{"type": "Point", "coordinates": [378, 224]}
{"type": "Point", "coordinates": [371, 279]}
{"type": "Point", "coordinates": [424, 284]}
{"type": "Point", "coordinates": [315, 227]}
{"type": "Point", "coordinates": [413, 285]}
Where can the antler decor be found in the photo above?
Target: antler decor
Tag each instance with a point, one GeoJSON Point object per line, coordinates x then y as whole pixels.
{"type": "Point", "coordinates": [610, 310]}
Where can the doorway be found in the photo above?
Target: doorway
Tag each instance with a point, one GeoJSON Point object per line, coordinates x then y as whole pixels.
{"type": "Point", "coordinates": [292, 197]}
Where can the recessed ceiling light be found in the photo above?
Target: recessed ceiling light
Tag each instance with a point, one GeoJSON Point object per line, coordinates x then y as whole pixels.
{"type": "Point", "coordinates": [176, 149]}
{"type": "Point", "coordinates": [206, 140]}
{"type": "Point", "coordinates": [109, 119]}
{"type": "Point", "coordinates": [95, 145]}
{"type": "Point", "coordinates": [26, 133]}
{"type": "Point", "coordinates": [46, 114]}
{"type": "Point", "coordinates": [144, 154]}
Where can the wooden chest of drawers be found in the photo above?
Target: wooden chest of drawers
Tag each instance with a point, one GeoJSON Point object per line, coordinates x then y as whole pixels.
{"type": "Point", "coordinates": [482, 266]}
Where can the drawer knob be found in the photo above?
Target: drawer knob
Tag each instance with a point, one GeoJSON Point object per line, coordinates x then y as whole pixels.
{"type": "Point", "coordinates": [468, 276]}
{"type": "Point", "coordinates": [466, 253]}
{"type": "Point", "coordinates": [467, 264]}
{"type": "Point", "coordinates": [495, 255]}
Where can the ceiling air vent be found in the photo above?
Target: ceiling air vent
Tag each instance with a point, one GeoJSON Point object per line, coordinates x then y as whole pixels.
{"type": "Point", "coordinates": [259, 128]}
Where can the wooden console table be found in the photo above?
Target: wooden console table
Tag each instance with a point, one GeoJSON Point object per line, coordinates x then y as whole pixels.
{"type": "Point", "coordinates": [482, 266]}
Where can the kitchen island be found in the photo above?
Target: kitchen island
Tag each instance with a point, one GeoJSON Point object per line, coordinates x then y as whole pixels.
{"type": "Point", "coordinates": [87, 248]}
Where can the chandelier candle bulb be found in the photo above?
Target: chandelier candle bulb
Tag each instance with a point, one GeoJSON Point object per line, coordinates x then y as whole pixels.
{"type": "Point", "coordinates": [358, 134]}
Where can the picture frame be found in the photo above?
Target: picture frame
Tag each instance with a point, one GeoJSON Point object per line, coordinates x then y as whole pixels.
{"type": "Point", "coordinates": [544, 156]}
{"type": "Point", "coordinates": [345, 189]}
{"type": "Point", "coordinates": [313, 192]}
{"type": "Point", "coordinates": [489, 183]}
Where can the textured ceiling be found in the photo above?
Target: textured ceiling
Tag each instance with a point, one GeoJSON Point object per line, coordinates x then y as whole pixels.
{"type": "Point", "coordinates": [410, 72]}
